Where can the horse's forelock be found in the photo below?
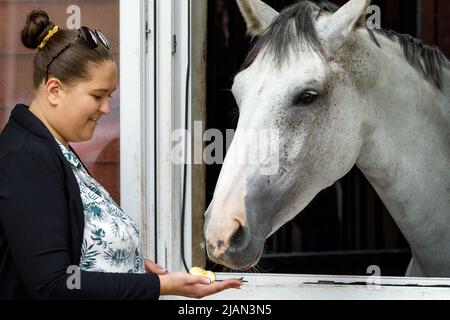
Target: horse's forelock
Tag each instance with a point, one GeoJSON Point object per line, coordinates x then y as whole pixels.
{"type": "Point", "coordinates": [294, 25]}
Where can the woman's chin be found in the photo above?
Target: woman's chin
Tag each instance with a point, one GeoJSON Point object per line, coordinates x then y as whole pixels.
{"type": "Point", "coordinates": [85, 136]}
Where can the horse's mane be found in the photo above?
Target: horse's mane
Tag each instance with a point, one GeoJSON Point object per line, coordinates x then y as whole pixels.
{"type": "Point", "coordinates": [278, 39]}
{"type": "Point", "coordinates": [428, 59]}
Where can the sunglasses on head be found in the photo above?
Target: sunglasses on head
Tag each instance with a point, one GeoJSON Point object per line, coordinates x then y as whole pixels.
{"type": "Point", "coordinates": [91, 38]}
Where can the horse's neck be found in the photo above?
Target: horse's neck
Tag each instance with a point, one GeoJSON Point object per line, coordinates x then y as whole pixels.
{"type": "Point", "coordinates": [406, 157]}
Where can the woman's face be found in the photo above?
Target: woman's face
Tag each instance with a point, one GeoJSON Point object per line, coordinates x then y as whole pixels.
{"type": "Point", "coordinates": [83, 104]}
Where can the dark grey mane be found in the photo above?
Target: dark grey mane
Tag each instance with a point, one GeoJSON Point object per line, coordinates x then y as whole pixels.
{"type": "Point", "coordinates": [428, 59]}
{"type": "Point", "coordinates": [278, 39]}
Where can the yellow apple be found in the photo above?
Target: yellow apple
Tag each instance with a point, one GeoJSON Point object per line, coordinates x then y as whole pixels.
{"type": "Point", "coordinates": [197, 271]}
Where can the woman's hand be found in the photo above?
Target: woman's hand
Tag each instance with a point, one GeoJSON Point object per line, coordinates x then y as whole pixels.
{"type": "Point", "coordinates": [185, 284]}
{"type": "Point", "coordinates": [151, 267]}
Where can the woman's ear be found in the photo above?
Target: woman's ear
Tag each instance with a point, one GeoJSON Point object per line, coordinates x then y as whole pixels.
{"type": "Point", "coordinates": [53, 91]}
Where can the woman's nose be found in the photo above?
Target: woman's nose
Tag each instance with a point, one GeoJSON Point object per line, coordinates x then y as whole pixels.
{"type": "Point", "coordinates": [105, 108]}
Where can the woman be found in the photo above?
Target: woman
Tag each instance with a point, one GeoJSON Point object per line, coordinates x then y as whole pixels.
{"type": "Point", "coordinates": [53, 214]}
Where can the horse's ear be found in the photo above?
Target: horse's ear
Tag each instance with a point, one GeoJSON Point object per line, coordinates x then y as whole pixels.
{"type": "Point", "coordinates": [348, 18]}
{"type": "Point", "coordinates": [257, 15]}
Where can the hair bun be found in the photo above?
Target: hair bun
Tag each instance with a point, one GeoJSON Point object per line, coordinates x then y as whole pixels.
{"type": "Point", "coordinates": [37, 24]}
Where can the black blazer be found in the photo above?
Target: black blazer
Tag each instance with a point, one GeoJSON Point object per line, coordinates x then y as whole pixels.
{"type": "Point", "coordinates": [42, 222]}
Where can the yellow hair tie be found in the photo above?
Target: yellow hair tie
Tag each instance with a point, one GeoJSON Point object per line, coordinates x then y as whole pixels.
{"type": "Point", "coordinates": [48, 36]}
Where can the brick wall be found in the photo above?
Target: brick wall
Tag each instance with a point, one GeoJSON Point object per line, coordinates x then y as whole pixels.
{"type": "Point", "coordinates": [101, 154]}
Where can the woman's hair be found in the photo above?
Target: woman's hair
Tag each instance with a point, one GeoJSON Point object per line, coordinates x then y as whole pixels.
{"type": "Point", "coordinates": [72, 65]}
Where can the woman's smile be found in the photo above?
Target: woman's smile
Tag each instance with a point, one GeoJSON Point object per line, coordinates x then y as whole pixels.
{"type": "Point", "coordinates": [94, 119]}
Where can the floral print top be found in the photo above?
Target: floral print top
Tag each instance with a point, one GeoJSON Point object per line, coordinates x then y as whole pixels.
{"type": "Point", "coordinates": [111, 239]}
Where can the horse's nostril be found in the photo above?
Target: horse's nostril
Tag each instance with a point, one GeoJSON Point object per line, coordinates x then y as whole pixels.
{"type": "Point", "coordinates": [238, 238]}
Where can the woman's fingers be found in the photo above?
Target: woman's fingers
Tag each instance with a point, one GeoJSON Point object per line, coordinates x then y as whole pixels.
{"type": "Point", "coordinates": [228, 284]}
{"type": "Point", "coordinates": [151, 267]}
{"type": "Point", "coordinates": [203, 288]}
{"type": "Point", "coordinates": [217, 287]}
{"type": "Point", "coordinates": [185, 284]}
{"type": "Point", "coordinates": [225, 284]}
{"type": "Point", "coordinates": [232, 283]}
{"type": "Point", "coordinates": [198, 280]}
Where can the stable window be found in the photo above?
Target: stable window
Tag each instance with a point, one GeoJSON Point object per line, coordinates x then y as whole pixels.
{"type": "Point", "coordinates": [346, 228]}
{"type": "Point", "coordinates": [101, 154]}
{"type": "Point", "coordinates": [163, 75]}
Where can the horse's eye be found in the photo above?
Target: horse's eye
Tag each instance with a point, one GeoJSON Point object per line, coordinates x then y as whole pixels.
{"type": "Point", "coordinates": [306, 97]}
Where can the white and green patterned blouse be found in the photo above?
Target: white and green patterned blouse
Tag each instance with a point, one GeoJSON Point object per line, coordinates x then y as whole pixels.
{"type": "Point", "coordinates": [111, 239]}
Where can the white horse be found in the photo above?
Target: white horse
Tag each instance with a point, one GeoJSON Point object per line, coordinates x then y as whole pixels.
{"type": "Point", "coordinates": [339, 95]}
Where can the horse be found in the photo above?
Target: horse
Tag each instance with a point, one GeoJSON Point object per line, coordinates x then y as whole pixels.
{"type": "Point", "coordinates": [339, 94]}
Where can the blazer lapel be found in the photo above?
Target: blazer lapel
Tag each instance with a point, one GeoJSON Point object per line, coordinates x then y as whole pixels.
{"type": "Point", "coordinates": [30, 122]}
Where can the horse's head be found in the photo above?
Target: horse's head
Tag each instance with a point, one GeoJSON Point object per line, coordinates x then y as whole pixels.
{"type": "Point", "coordinates": [297, 84]}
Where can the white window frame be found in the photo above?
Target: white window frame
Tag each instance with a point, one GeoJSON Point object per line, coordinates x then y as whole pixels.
{"type": "Point", "coordinates": [152, 107]}
{"type": "Point", "coordinates": [323, 287]}
{"type": "Point", "coordinates": [171, 68]}
{"type": "Point", "coordinates": [137, 120]}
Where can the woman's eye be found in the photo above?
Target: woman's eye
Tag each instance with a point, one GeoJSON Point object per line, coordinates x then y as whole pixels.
{"type": "Point", "coordinates": [97, 97]}
{"type": "Point", "coordinates": [306, 97]}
